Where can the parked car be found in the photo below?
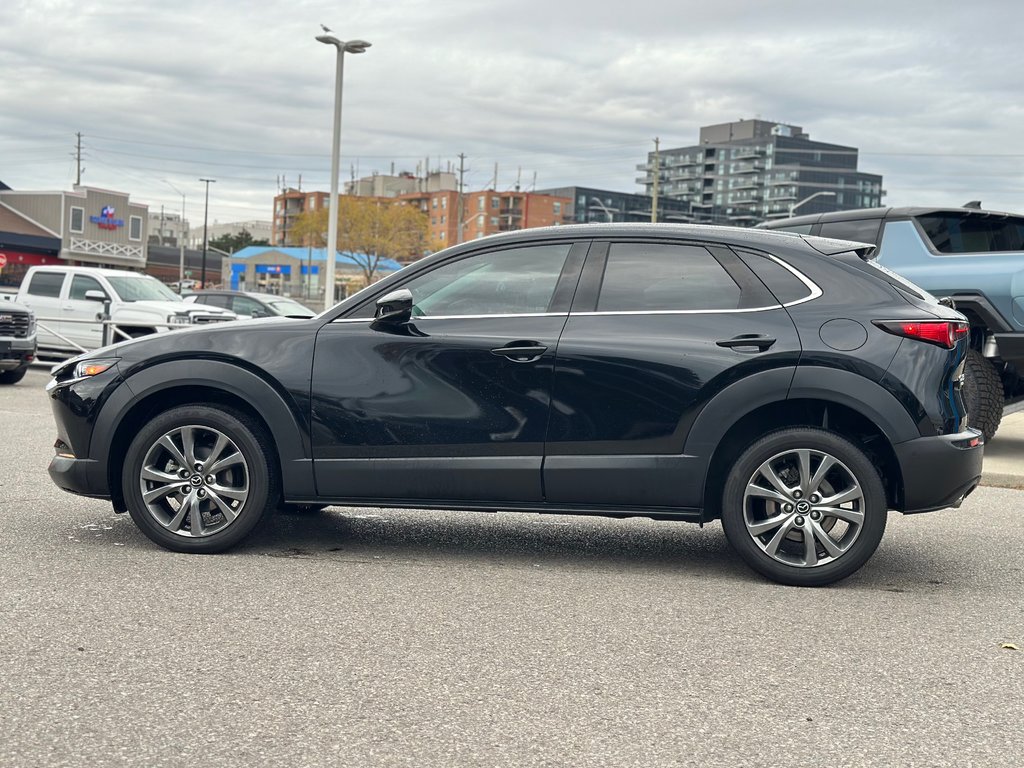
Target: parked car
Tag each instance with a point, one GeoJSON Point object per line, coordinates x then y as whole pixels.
{"type": "Point", "coordinates": [245, 304]}
{"type": "Point", "coordinates": [17, 341]}
{"type": "Point", "coordinates": [69, 302]}
{"type": "Point", "coordinates": [974, 257]}
{"type": "Point", "coordinates": [781, 383]}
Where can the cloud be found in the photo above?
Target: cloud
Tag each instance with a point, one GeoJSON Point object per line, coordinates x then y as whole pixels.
{"type": "Point", "coordinates": [571, 91]}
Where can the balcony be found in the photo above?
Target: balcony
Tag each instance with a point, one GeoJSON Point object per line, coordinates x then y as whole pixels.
{"type": "Point", "coordinates": [748, 183]}
{"type": "Point", "coordinates": [750, 168]}
{"type": "Point", "coordinates": [748, 154]}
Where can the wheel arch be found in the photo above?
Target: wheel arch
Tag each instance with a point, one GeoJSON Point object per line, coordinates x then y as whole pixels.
{"type": "Point", "coordinates": [841, 401]}
{"type": "Point", "coordinates": [205, 382]}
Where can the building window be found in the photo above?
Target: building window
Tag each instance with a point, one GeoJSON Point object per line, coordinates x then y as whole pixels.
{"type": "Point", "coordinates": [480, 220]}
{"type": "Point", "coordinates": [557, 208]}
{"type": "Point", "coordinates": [494, 202]}
{"type": "Point", "coordinates": [77, 219]}
{"type": "Point", "coordinates": [433, 203]}
{"type": "Point", "coordinates": [444, 202]}
{"type": "Point", "coordinates": [443, 219]}
{"type": "Point", "coordinates": [134, 227]}
{"type": "Point", "coordinates": [480, 202]}
{"type": "Point", "coordinates": [494, 221]}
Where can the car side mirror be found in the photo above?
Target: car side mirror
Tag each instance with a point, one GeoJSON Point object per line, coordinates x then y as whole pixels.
{"type": "Point", "coordinates": [394, 308]}
{"type": "Point", "coordinates": [95, 295]}
{"type": "Point", "coordinates": [259, 313]}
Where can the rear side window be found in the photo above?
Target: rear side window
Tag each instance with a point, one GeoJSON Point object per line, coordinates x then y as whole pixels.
{"type": "Point", "coordinates": [46, 284]}
{"type": "Point", "coordinates": [649, 277]}
{"type": "Point", "coordinates": [861, 230]}
{"type": "Point", "coordinates": [968, 233]}
{"type": "Point", "coordinates": [784, 285]}
{"type": "Point", "coordinates": [214, 300]}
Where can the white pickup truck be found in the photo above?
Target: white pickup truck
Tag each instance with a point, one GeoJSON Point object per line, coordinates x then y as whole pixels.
{"type": "Point", "coordinates": [69, 304]}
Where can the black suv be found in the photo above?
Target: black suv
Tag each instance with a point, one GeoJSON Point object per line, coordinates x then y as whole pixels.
{"type": "Point", "coordinates": [779, 382]}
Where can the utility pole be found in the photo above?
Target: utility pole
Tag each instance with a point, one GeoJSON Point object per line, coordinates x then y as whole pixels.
{"type": "Point", "coordinates": [657, 174]}
{"type": "Point", "coordinates": [462, 171]}
{"type": "Point", "coordinates": [78, 159]}
{"type": "Point", "coordinates": [206, 212]}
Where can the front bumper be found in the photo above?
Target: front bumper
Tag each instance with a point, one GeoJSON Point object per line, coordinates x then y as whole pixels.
{"type": "Point", "coordinates": [938, 472]}
{"type": "Point", "coordinates": [85, 477]}
{"type": "Point", "coordinates": [15, 353]}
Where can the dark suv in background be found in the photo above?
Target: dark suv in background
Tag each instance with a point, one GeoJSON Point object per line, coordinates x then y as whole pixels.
{"type": "Point", "coordinates": [780, 383]}
{"type": "Point", "coordinates": [973, 256]}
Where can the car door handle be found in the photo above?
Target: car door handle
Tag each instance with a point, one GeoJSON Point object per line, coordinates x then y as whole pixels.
{"type": "Point", "coordinates": [758, 340]}
{"type": "Point", "coordinates": [527, 352]}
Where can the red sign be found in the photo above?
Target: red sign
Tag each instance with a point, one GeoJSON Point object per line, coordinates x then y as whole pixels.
{"type": "Point", "coordinates": [3, 260]}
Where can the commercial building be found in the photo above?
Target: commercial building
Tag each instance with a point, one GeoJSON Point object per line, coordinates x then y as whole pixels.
{"type": "Point", "coordinates": [587, 204]}
{"type": "Point", "coordinates": [747, 171]}
{"type": "Point", "coordinates": [259, 230]}
{"type": "Point", "coordinates": [168, 229]}
{"type": "Point", "coordinates": [295, 272]}
{"type": "Point", "coordinates": [23, 244]}
{"type": "Point", "coordinates": [95, 227]}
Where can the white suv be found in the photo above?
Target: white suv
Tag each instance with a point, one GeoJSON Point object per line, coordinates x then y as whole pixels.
{"type": "Point", "coordinates": [69, 302]}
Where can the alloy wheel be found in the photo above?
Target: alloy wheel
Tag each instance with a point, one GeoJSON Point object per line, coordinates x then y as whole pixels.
{"type": "Point", "coordinates": [804, 508]}
{"type": "Point", "coordinates": [194, 481]}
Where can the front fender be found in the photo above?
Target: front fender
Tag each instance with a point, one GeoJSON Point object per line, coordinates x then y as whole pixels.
{"type": "Point", "coordinates": [277, 409]}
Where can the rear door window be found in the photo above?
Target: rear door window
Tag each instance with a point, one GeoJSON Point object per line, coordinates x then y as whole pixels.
{"type": "Point", "coordinates": [651, 277]}
{"type": "Point", "coordinates": [46, 284]}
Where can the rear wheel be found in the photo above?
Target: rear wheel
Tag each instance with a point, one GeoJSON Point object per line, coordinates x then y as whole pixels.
{"type": "Point", "coordinates": [804, 507]}
{"type": "Point", "coordinates": [983, 394]}
{"type": "Point", "coordinates": [199, 478]}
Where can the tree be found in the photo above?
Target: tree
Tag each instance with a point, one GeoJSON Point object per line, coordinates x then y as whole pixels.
{"type": "Point", "coordinates": [232, 243]}
{"type": "Point", "coordinates": [369, 229]}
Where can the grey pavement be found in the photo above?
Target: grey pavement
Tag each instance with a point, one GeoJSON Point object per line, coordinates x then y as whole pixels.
{"type": "Point", "coordinates": [369, 637]}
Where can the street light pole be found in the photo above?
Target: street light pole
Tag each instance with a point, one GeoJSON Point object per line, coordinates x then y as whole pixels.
{"type": "Point", "coordinates": [352, 46]}
{"type": "Point", "coordinates": [206, 211]}
{"type": "Point", "coordinates": [181, 236]}
{"type": "Point", "coordinates": [823, 193]}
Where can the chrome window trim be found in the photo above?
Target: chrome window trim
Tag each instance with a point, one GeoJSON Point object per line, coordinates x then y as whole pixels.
{"type": "Point", "coordinates": [457, 317]}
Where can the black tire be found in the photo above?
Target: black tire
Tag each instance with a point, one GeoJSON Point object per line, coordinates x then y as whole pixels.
{"type": "Point", "coordinates": [13, 377]}
{"type": "Point", "coordinates": [983, 394]}
{"type": "Point", "coordinates": [755, 523]}
{"type": "Point", "coordinates": [243, 491]}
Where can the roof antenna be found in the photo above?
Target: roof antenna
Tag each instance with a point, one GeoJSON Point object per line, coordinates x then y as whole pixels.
{"type": "Point", "coordinates": [975, 204]}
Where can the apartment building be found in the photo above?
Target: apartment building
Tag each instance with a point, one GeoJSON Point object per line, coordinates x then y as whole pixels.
{"type": "Point", "coordinates": [747, 171]}
{"type": "Point", "coordinates": [587, 204]}
{"type": "Point", "coordinates": [288, 206]}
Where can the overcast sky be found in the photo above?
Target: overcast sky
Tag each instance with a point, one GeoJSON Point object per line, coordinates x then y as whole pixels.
{"type": "Point", "coordinates": [574, 92]}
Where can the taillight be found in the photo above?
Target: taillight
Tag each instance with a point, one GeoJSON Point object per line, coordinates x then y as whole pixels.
{"type": "Point", "coordinates": [945, 333]}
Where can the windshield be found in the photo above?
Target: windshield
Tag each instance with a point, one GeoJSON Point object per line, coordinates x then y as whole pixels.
{"type": "Point", "coordinates": [289, 307]}
{"type": "Point", "coordinates": [141, 288]}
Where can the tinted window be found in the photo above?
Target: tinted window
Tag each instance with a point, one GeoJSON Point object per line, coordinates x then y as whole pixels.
{"type": "Point", "coordinates": [784, 285]}
{"type": "Point", "coordinates": [648, 276]}
{"type": "Point", "coordinates": [213, 301]}
{"type": "Point", "coordinates": [77, 219]}
{"type": "Point", "coordinates": [966, 233]}
{"type": "Point", "coordinates": [513, 281]}
{"type": "Point", "coordinates": [46, 284]}
{"type": "Point", "coordinates": [800, 229]}
{"type": "Point", "coordinates": [862, 230]}
{"type": "Point", "coordinates": [82, 283]}
{"type": "Point", "coordinates": [243, 305]}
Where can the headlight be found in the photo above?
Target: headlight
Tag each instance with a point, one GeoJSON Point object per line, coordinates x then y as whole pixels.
{"type": "Point", "coordinates": [180, 319]}
{"type": "Point", "coordinates": [87, 368]}
{"type": "Point", "coordinates": [31, 324]}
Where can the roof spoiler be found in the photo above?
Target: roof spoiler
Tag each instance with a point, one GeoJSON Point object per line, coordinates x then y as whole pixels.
{"type": "Point", "coordinates": [830, 247]}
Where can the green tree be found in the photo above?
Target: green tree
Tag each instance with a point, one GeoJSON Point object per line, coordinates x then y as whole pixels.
{"type": "Point", "coordinates": [370, 230]}
{"type": "Point", "coordinates": [232, 243]}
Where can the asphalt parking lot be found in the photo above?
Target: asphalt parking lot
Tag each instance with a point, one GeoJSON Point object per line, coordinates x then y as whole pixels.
{"type": "Point", "coordinates": [376, 637]}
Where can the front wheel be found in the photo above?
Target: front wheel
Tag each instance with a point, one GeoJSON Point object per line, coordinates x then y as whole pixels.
{"type": "Point", "coordinates": [804, 507]}
{"type": "Point", "coordinates": [200, 478]}
{"type": "Point", "coordinates": [13, 377]}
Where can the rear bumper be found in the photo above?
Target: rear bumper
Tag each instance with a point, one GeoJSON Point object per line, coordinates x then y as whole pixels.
{"type": "Point", "coordinates": [938, 472]}
{"type": "Point", "coordinates": [1011, 347]}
